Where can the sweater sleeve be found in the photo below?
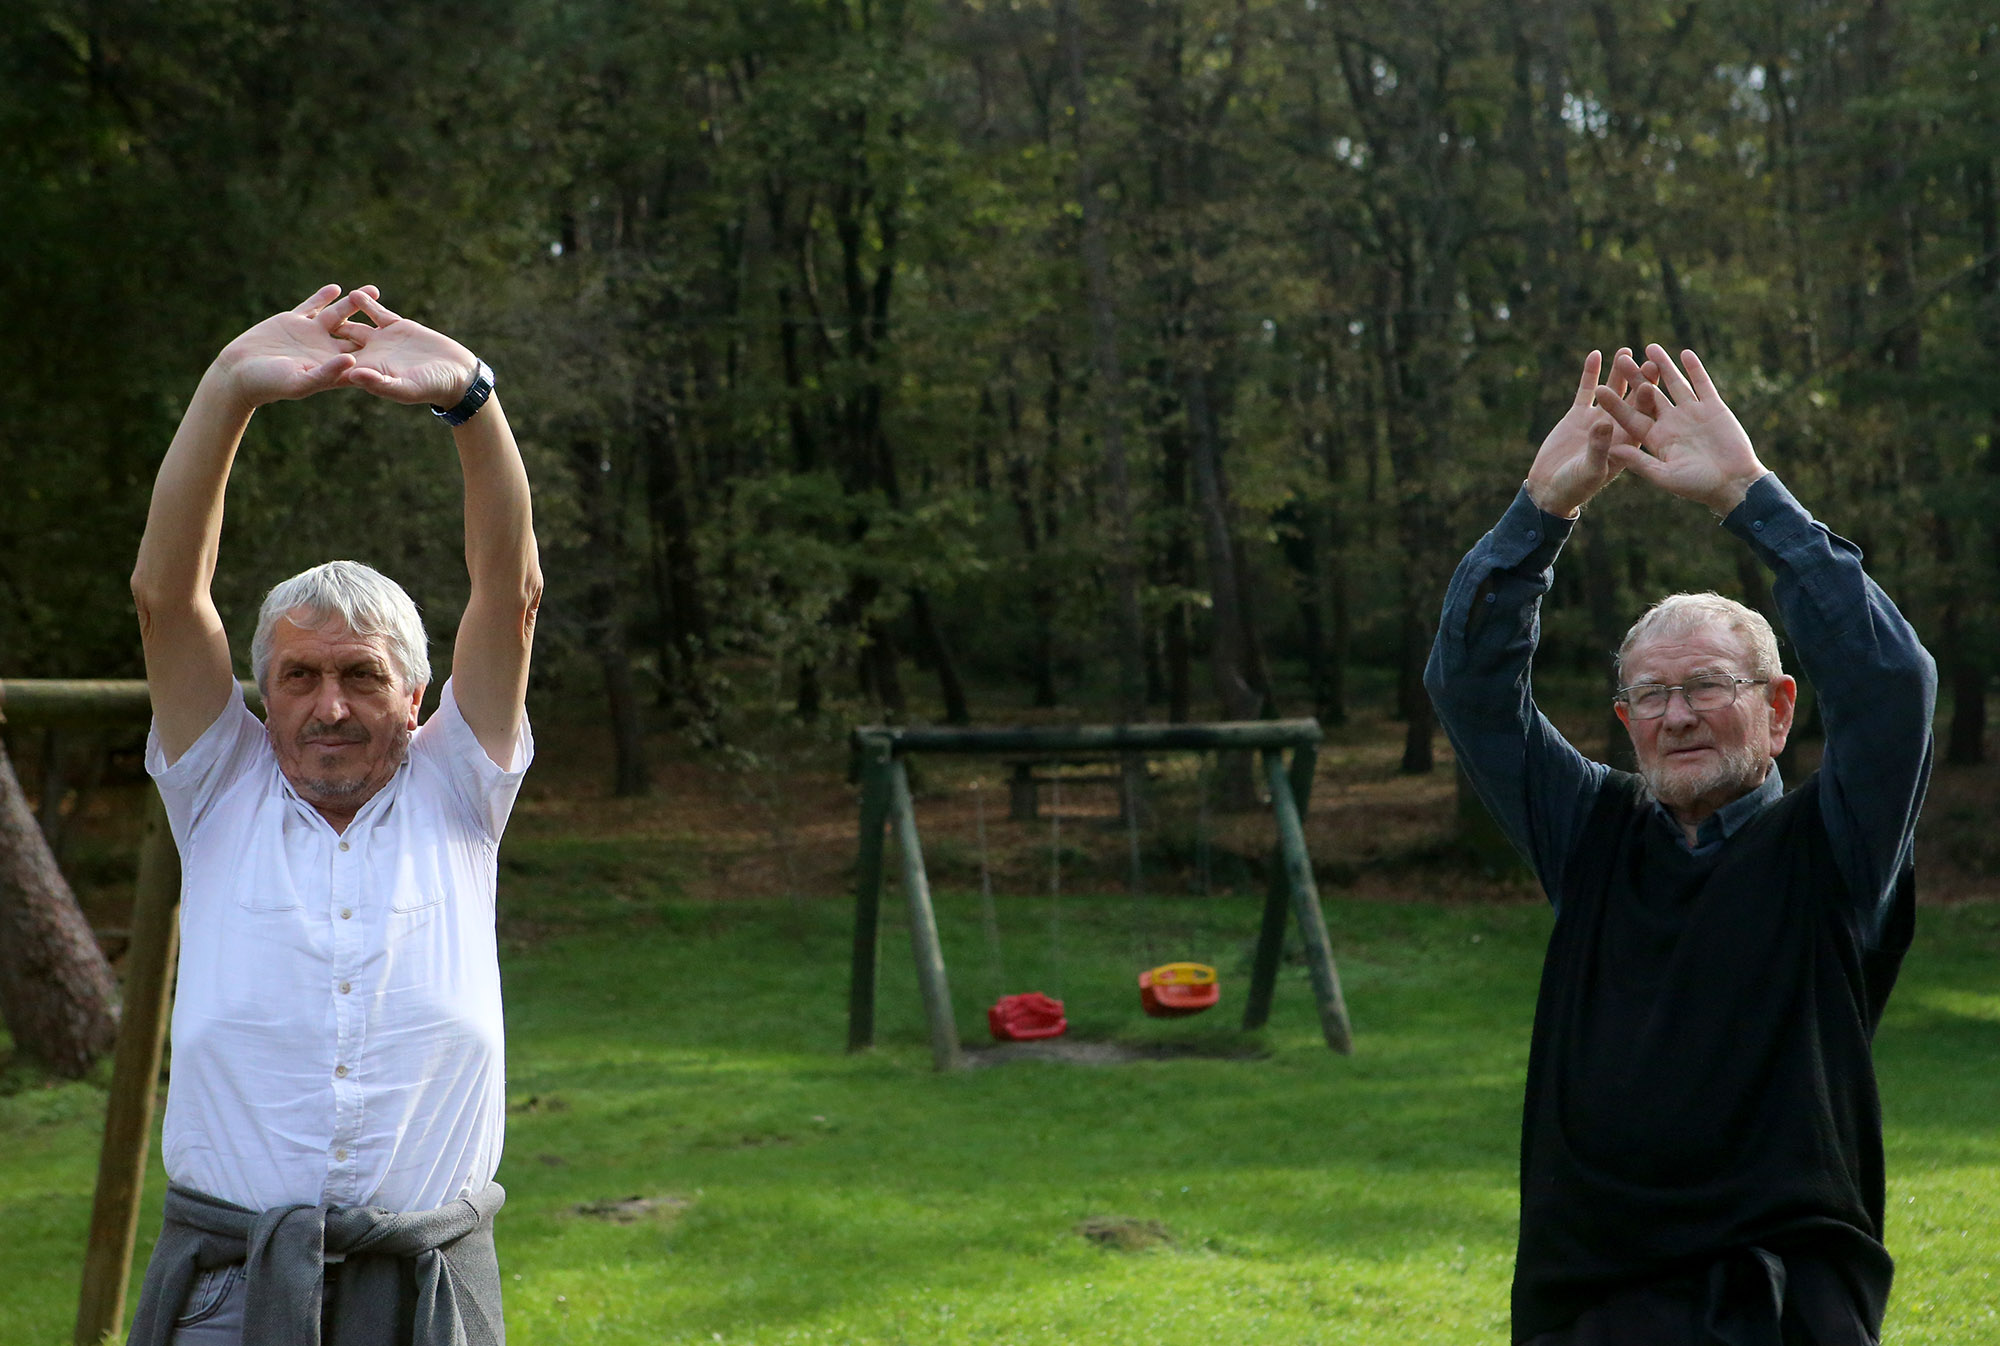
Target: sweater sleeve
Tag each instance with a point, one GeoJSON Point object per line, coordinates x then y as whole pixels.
{"type": "Point", "coordinates": [1877, 688]}
{"type": "Point", "coordinates": [1538, 787]}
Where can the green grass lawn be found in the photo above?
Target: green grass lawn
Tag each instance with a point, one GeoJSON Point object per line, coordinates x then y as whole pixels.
{"type": "Point", "coordinates": [692, 1054]}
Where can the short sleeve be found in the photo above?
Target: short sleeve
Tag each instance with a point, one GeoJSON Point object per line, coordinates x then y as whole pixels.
{"type": "Point", "coordinates": [484, 790]}
{"type": "Point", "coordinates": [233, 744]}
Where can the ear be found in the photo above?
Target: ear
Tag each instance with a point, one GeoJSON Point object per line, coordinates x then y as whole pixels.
{"type": "Point", "coordinates": [1784, 693]}
{"type": "Point", "coordinates": [1624, 714]}
{"type": "Point", "coordinates": [416, 704]}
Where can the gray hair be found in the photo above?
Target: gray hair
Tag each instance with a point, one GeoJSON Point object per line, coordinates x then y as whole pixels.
{"type": "Point", "coordinates": [364, 600]}
{"type": "Point", "coordinates": [1685, 614]}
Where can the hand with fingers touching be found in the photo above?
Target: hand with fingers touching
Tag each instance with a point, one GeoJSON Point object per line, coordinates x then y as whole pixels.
{"type": "Point", "coordinates": [402, 360]}
{"type": "Point", "coordinates": [1680, 435]}
{"type": "Point", "coordinates": [1575, 461]}
{"type": "Point", "coordinates": [293, 354]}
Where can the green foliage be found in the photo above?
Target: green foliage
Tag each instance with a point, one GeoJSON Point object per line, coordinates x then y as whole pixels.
{"type": "Point", "coordinates": [788, 304]}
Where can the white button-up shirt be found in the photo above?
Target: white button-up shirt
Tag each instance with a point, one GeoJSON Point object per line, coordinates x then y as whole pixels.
{"type": "Point", "coordinates": [336, 1034]}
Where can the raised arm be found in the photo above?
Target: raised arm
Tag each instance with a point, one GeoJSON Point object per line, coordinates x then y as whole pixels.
{"type": "Point", "coordinates": [289, 355]}
{"type": "Point", "coordinates": [1877, 685]}
{"type": "Point", "coordinates": [1538, 787]}
{"type": "Point", "coordinates": [407, 362]}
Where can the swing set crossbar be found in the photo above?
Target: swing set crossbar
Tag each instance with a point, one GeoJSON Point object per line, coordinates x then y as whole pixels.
{"type": "Point", "coordinates": [1088, 738]}
{"type": "Point", "coordinates": [879, 751]}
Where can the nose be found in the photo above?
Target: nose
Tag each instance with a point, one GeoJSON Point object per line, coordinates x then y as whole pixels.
{"type": "Point", "coordinates": [1680, 712]}
{"type": "Point", "coordinates": [329, 702]}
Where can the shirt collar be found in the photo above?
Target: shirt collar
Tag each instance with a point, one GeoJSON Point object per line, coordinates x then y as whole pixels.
{"type": "Point", "coordinates": [1726, 821]}
{"type": "Point", "coordinates": [375, 804]}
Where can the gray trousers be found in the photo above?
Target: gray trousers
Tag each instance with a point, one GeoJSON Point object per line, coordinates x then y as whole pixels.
{"type": "Point", "coordinates": [213, 1313]}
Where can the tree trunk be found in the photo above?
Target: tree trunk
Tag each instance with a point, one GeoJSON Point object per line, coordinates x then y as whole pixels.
{"type": "Point", "coordinates": [57, 992]}
{"type": "Point", "coordinates": [1109, 386]}
{"type": "Point", "coordinates": [1229, 651]}
{"type": "Point", "coordinates": [1021, 486]}
{"type": "Point", "coordinates": [1965, 742]}
{"type": "Point", "coordinates": [938, 651]}
{"type": "Point", "coordinates": [684, 622]}
{"type": "Point", "coordinates": [1176, 560]}
{"type": "Point", "coordinates": [880, 674]}
{"type": "Point", "coordinates": [603, 617]}
{"type": "Point", "coordinates": [1418, 753]}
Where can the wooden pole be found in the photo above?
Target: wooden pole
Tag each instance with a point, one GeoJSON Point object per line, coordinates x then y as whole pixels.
{"type": "Point", "coordinates": [924, 945]}
{"type": "Point", "coordinates": [1270, 944]}
{"type": "Point", "coordinates": [135, 1075]}
{"type": "Point", "coordinates": [1107, 738]}
{"type": "Point", "coordinates": [1277, 901]}
{"type": "Point", "coordinates": [88, 702]}
{"type": "Point", "coordinates": [875, 772]}
{"type": "Point", "coordinates": [1305, 907]}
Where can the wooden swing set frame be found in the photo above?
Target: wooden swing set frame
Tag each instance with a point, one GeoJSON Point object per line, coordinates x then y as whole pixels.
{"type": "Point", "coordinates": [885, 801]}
{"type": "Point", "coordinates": [97, 704]}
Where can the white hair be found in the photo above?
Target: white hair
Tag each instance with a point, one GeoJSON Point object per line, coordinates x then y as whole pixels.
{"type": "Point", "coordinates": [362, 599]}
{"type": "Point", "coordinates": [1686, 614]}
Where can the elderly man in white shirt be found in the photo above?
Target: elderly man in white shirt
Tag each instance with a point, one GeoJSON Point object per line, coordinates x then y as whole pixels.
{"type": "Point", "coordinates": [336, 1107]}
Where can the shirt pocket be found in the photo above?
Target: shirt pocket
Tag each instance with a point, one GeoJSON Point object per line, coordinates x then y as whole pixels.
{"type": "Point", "coordinates": [411, 898]}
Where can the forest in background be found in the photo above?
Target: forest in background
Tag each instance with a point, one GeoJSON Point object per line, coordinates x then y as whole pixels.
{"type": "Point", "coordinates": [1160, 356]}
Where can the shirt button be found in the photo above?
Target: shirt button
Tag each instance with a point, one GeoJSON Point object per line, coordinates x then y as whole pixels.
{"type": "Point", "coordinates": [346, 986]}
{"type": "Point", "coordinates": [1532, 535]}
{"type": "Point", "coordinates": [1757, 526]}
{"type": "Point", "coordinates": [343, 845]}
{"type": "Point", "coordinates": [340, 1156]}
{"type": "Point", "coordinates": [340, 1071]}
{"type": "Point", "coordinates": [347, 913]}
{"type": "Point", "coordinates": [1492, 597]}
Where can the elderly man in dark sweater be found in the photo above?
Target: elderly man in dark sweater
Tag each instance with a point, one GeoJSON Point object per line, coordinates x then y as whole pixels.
{"type": "Point", "coordinates": [1701, 1150]}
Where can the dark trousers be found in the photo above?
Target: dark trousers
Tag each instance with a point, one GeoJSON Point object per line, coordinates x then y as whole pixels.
{"type": "Point", "coordinates": [1750, 1298]}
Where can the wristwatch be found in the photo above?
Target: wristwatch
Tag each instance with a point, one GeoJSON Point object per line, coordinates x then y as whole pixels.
{"type": "Point", "coordinates": [475, 398]}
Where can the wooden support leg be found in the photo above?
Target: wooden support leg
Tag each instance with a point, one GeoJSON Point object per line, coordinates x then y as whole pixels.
{"type": "Point", "coordinates": [135, 1077]}
{"type": "Point", "coordinates": [875, 770]}
{"type": "Point", "coordinates": [1305, 900]}
{"type": "Point", "coordinates": [924, 946]}
{"type": "Point", "coordinates": [1277, 902]}
{"type": "Point", "coordinates": [1024, 803]}
{"type": "Point", "coordinates": [1270, 947]}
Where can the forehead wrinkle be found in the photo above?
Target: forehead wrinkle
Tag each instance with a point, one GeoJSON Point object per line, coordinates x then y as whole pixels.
{"type": "Point", "coordinates": [1709, 656]}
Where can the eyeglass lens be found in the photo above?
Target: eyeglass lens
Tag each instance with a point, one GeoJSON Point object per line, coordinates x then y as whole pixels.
{"type": "Point", "coordinates": [1650, 701]}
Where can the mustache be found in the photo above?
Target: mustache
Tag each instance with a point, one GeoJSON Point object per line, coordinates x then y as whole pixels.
{"type": "Point", "coordinates": [345, 732]}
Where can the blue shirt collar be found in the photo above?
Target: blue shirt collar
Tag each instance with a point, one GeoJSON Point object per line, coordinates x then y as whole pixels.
{"type": "Point", "coordinates": [1726, 821]}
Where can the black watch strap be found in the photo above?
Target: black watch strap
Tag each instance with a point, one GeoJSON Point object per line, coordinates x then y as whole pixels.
{"type": "Point", "coordinates": [475, 398]}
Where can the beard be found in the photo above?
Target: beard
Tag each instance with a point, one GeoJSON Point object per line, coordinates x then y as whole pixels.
{"type": "Point", "coordinates": [1733, 773]}
{"type": "Point", "coordinates": [338, 790]}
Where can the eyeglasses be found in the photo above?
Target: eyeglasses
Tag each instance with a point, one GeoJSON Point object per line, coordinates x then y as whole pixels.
{"type": "Point", "coordinates": [1713, 691]}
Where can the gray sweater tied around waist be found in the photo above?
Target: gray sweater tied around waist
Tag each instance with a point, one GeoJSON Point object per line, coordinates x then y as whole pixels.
{"type": "Point", "coordinates": [448, 1251]}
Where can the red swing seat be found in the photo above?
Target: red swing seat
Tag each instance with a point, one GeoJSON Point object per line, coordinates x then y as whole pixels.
{"type": "Point", "coordinates": [1026, 1017]}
